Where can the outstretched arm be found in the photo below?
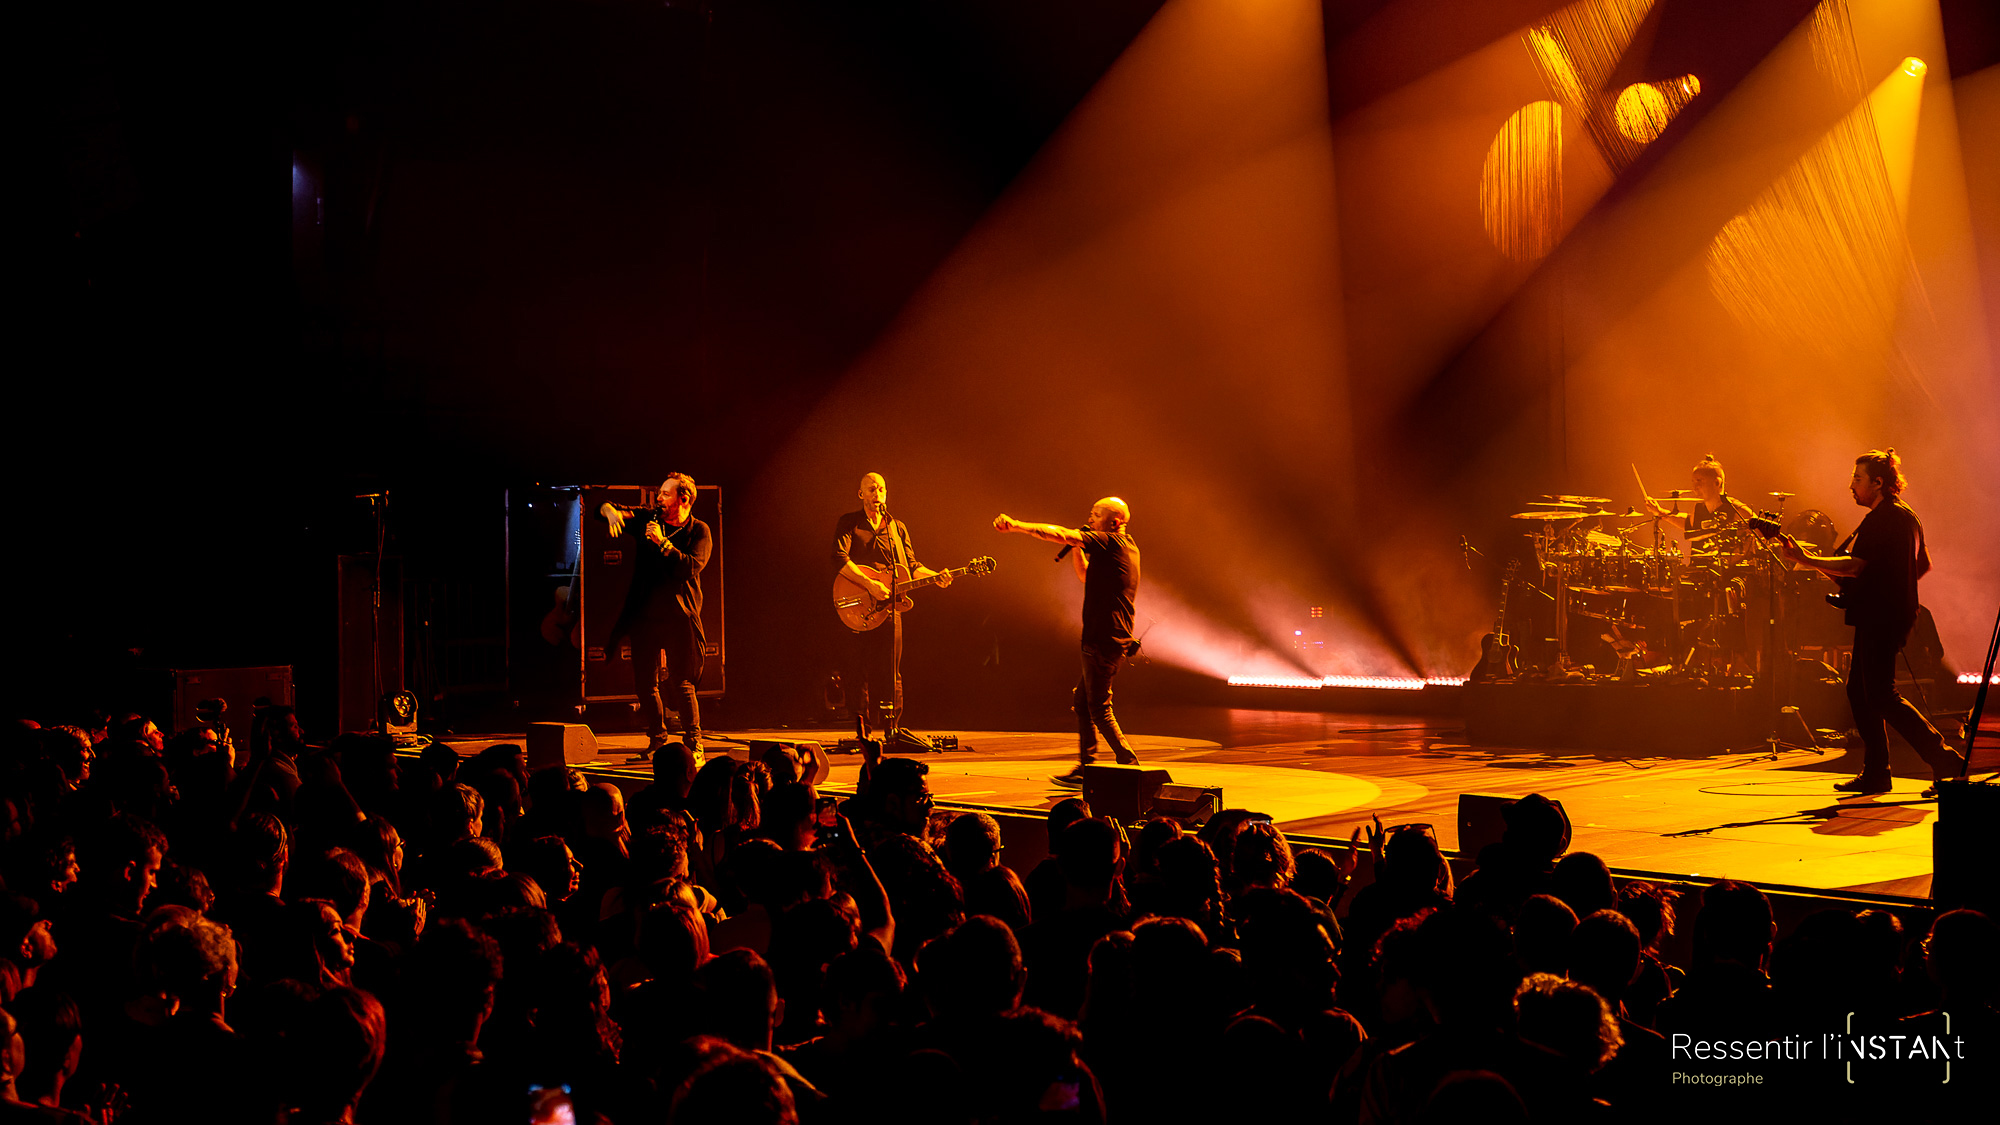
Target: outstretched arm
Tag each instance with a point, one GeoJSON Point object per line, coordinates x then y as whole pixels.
{"type": "Point", "coordinates": [1050, 532]}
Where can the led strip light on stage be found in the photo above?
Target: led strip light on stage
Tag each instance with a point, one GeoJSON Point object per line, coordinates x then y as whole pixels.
{"type": "Point", "coordinates": [1314, 683]}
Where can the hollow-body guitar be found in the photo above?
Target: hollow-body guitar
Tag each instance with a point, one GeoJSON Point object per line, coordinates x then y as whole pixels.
{"type": "Point", "coordinates": [861, 611]}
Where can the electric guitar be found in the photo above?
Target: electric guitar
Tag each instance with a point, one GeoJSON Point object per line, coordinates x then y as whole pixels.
{"type": "Point", "coordinates": [1498, 655]}
{"type": "Point", "coordinates": [861, 611]}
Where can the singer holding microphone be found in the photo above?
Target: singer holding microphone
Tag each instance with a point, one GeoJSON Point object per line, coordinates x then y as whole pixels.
{"type": "Point", "coordinates": [662, 613]}
{"type": "Point", "coordinates": [1108, 566]}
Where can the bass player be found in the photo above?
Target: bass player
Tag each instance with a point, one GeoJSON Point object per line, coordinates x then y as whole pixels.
{"type": "Point", "coordinates": [1877, 569]}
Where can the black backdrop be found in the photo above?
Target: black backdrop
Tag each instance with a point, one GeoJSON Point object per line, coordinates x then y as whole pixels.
{"type": "Point", "coordinates": [270, 258]}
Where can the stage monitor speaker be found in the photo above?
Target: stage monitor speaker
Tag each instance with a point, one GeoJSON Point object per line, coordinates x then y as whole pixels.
{"type": "Point", "coordinates": [1964, 840]}
{"type": "Point", "coordinates": [607, 565]}
{"type": "Point", "coordinates": [239, 688]}
{"type": "Point", "coordinates": [557, 744]}
{"type": "Point", "coordinates": [811, 757]}
{"type": "Point", "coordinates": [1189, 804]}
{"type": "Point", "coordinates": [1482, 820]}
{"type": "Point", "coordinates": [1124, 792]}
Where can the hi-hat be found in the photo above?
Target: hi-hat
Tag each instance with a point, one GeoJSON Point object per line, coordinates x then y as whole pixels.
{"type": "Point", "coordinates": [1784, 495]}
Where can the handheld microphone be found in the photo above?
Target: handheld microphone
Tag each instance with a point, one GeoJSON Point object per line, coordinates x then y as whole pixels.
{"type": "Point", "coordinates": [1064, 553]}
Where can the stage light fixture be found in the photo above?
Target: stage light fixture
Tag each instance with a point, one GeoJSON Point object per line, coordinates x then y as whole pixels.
{"type": "Point", "coordinates": [1914, 67]}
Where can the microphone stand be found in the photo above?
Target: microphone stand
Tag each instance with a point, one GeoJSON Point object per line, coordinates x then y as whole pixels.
{"type": "Point", "coordinates": [1970, 730]}
{"type": "Point", "coordinates": [894, 735]}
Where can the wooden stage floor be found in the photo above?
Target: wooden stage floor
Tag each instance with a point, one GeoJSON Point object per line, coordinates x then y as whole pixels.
{"type": "Point", "coordinates": [1742, 815]}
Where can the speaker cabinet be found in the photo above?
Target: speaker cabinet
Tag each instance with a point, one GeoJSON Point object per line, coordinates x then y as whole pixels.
{"type": "Point", "coordinates": [557, 744]}
{"type": "Point", "coordinates": [1964, 841]}
{"type": "Point", "coordinates": [1482, 820]}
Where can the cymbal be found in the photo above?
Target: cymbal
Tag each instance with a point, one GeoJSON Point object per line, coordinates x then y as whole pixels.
{"type": "Point", "coordinates": [1598, 512]}
{"type": "Point", "coordinates": [1553, 504]}
{"type": "Point", "coordinates": [1784, 495]}
{"type": "Point", "coordinates": [1579, 499]}
{"type": "Point", "coordinates": [1546, 516]}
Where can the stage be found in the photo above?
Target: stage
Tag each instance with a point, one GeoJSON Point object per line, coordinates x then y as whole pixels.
{"type": "Point", "coordinates": [1775, 821]}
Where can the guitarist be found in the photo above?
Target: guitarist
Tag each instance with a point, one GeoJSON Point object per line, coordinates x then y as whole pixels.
{"type": "Point", "coordinates": [662, 614]}
{"type": "Point", "coordinates": [1877, 570]}
{"type": "Point", "coordinates": [873, 538]}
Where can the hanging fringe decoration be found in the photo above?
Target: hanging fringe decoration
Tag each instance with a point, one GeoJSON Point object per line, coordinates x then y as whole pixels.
{"type": "Point", "coordinates": [1520, 187]}
{"type": "Point", "coordinates": [1820, 258]}
{"type": "Point", "coordinates": [1645, 109]}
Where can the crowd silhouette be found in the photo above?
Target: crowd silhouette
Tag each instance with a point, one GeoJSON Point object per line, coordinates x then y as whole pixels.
{"type": "Point", "coordinates": [193, 930]}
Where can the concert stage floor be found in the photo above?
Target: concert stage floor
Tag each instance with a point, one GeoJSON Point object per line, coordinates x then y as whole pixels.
{"type": "Point", "coordinates": [1775, 822]}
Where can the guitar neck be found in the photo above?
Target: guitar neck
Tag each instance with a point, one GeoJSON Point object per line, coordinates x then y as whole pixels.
{"type": "Point", "coordinates": [930, 580]}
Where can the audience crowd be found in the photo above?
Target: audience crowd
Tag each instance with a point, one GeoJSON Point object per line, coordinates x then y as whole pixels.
{"type": "Point", "coordinates": [193, 930]}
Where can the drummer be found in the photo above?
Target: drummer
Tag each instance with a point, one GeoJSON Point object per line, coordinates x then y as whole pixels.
{"type": "Point", "coordinates": [1717, 511]}
{"type": "Point", "coordinates": [1714, 530]}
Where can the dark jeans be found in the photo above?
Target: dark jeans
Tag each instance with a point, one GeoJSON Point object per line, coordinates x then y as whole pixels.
{"type": "Point", "coordinates": [1871, 692]}
{"type": "Point", "coordinates": [1093, 705]}
{"type": "Point", "coordinates": [675, 646]}
{"type": "Point", "coordinates": [868, 672]}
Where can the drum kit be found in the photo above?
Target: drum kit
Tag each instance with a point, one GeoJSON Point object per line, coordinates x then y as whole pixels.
{"type": "Point", "coordinates": [1663, 599]}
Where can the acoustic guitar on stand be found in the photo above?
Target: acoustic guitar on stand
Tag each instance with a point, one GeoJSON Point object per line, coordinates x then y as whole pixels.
{"type": "Point", "coordinates": [861, 611]}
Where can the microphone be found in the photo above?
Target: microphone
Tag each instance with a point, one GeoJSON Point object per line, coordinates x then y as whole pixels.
{"type": "Point", "coordinates": [1064, 553]}
{"type": "Point", "coordinates": [1468, 550]}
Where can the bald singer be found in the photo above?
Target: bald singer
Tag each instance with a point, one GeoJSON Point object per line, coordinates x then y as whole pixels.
{"type": "Point", "coordinates": [1107, 563]}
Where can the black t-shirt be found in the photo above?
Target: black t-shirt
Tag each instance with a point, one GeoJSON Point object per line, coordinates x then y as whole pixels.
{"type": "Point", "coordinates": [854, 541]}
{"type": "Point", "coordinates": [1110, 586]}
{"type": "Point", "coordinates": [1885, 593]}
{"type": "Point", "coordinates": [666, 578]}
